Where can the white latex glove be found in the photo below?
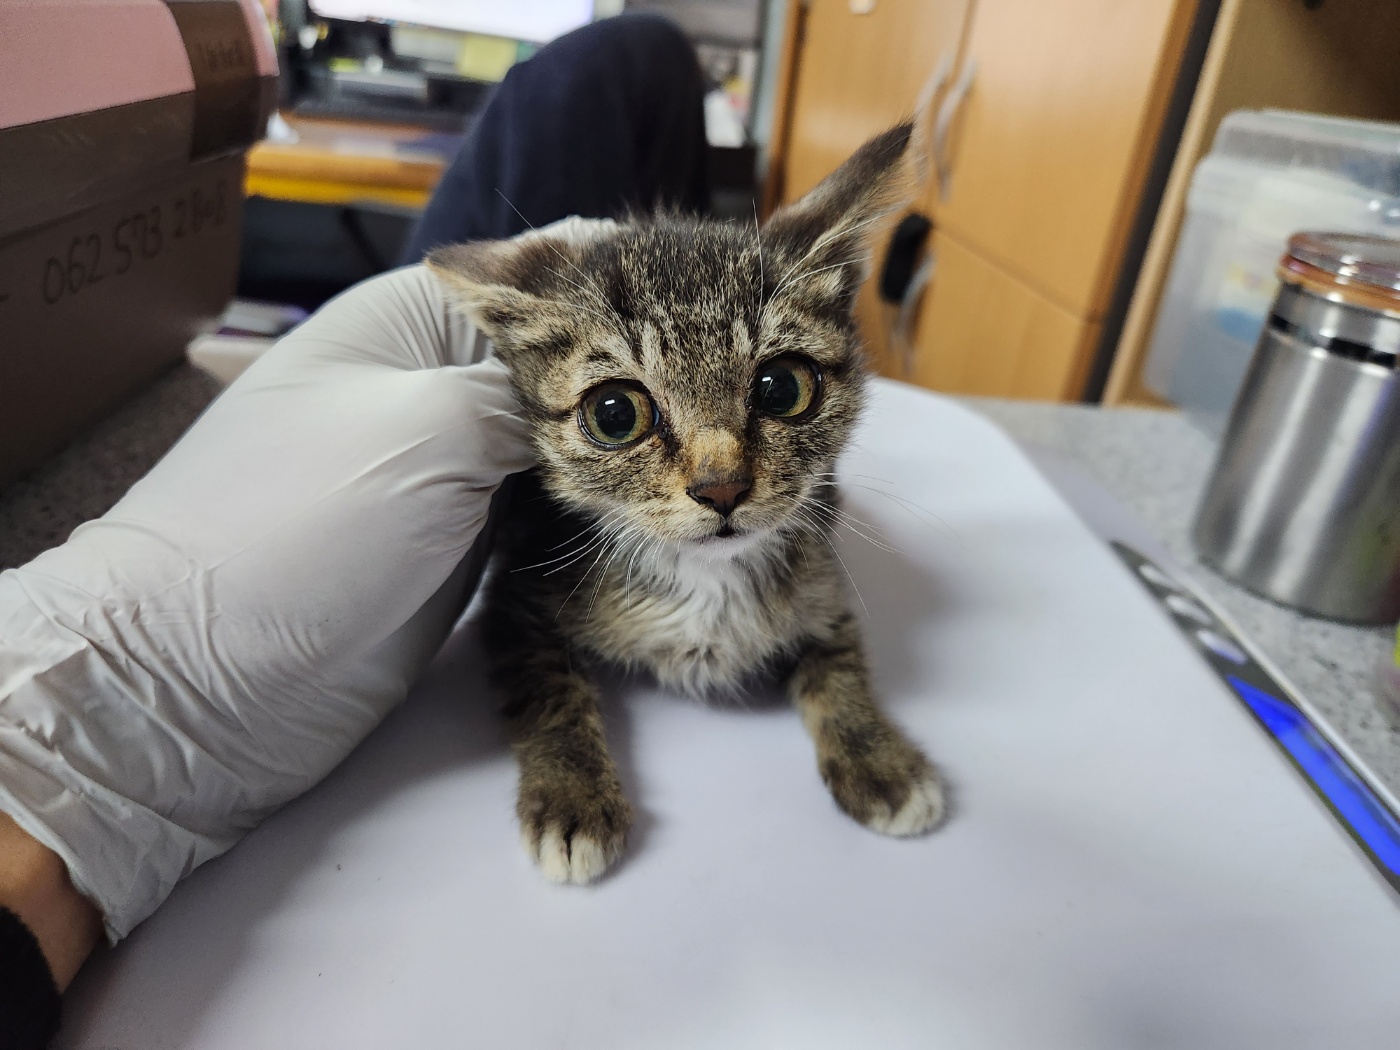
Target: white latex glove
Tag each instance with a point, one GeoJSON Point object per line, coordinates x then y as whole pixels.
{"type": "Point", "coordinates": [221, 639]}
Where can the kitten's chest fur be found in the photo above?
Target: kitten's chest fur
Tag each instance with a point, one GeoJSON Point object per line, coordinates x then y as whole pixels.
{"type": "Point", "coordinates": [700, 621]}
{"type": "Point", "coordinates": [704, 623]}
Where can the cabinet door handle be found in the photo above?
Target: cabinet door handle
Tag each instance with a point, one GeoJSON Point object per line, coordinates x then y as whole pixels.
{"type": "Point", "coordinates": [920, 148]}
{"type": "Point", "coordinates": [902, 331]}
{"type": "Point", "coordinates": [941, 127]}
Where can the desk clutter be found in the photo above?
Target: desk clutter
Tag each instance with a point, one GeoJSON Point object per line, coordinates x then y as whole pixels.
{"type": "Point", "coordinates": [432, 62]}
{"type": "Point", "coordinates": [331, 202]}
{"type": "Point", "coordinates": [376, 97]}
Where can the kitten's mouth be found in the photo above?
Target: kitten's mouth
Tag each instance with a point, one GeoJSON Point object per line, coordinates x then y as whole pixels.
{"type": "Point", "coordinates": [724, 532]}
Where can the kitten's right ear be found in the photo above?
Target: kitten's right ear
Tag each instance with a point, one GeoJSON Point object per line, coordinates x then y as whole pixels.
{"type": "Point", "coordinates": [826, 233]}
{"type": "Point", "coordinates": [517, 290]}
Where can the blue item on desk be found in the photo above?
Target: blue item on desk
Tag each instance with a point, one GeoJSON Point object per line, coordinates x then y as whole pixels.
{"type": "Point", "coordinates": [1347, 795]}
{"type": "Point", "coordinates": [1355, 804]}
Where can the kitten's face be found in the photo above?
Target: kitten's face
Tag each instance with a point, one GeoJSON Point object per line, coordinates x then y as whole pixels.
{"type": "Point", "coordinates": [690, 402]}
{"type": "Point", "coordinates": [691, 381]}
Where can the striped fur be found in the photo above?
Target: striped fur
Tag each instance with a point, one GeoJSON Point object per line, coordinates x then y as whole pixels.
{"type": "Point", "coordinates": [607, 559]}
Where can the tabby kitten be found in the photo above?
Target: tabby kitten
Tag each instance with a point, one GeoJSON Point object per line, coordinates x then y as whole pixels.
{"type": "Point", "coordinates": [689, 385]}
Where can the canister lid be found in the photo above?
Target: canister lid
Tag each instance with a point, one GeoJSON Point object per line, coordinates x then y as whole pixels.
{"type": "Point", "coordinates": [1346, 267]}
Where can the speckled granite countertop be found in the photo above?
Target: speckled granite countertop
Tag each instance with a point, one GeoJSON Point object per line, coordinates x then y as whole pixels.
{"type": "Point", "coordinates": [1153, 463]}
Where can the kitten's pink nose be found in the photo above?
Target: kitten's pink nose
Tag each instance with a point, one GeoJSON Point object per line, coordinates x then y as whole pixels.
{"type": "Point", "coordinates": [721, 496]}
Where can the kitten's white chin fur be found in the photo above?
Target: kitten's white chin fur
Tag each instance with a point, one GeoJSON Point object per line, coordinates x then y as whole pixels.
{"type": "Point", "coordinates": [707, 628]}
{"type": "Point", "coordinates": [724, 548]}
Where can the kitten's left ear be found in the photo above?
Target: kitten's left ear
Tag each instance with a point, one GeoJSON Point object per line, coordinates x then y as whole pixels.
{"type": "Point", "coordinates": [826, 233]}
{"type": "Point", "coordinates": [517, 290]}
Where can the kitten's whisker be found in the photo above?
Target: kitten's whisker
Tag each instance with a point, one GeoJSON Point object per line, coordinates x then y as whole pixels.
{"type": "Point", "coordinates": [564, 543]}
{"type": "Point", "coordinates": [793, 279]}
{"type": "Point", "coordinates": [555, 249]}
{"type": "Point", "coordinates": [603, 572]}
{"type": "Point", "coordinates": [517, 211]}
{"type": "Point", "coordinates": [615, 512]}
{"type": "Point", "coordinates": [843, 474]}
{"type": "Point", "coordinates": [607, 556]}
{"type": "Point", "coordinates": [850, 523]}
{"type": "Point", "coordinates": [836, 516]}
{"type": "Point", "coordinates": [847, 516]}
{"type": "Point", "coordinates": [842, 562]}
{"type": "Point", "coordinates": [588, 290]}
{"type": "Point", "coordinates": [571, 305]}
{"type": "Point", "coordinates": [578, 557]}
{"type": "Point", "coordinates": [803, 504]}
{"type": "Point", "coordinates": [851, 528]}
{"type": "Point", "coordinates": [572, 555]}
{"type": "Point", "coordinates": [627, 579]}
{"type": "Point", "coordinates": [806, 562]}
{"type": "Point", "coordinates": [758, 247]}
{"type": "Point", "coordinates": [879, 492]}
{"type": "Point", "coordinates": [612, 535]}
{"type": "Point", "coordinates": [584, 289]}
{"type": "Point", "coordinates": [796, 535]}
{"type": "Point", "coordinates": [908, 506]}
{"type": "Point", "coordinates": [838, 509]}
{"type": "Point", "coordinates": [821, 243]}
{"type": "Point", "coordinates": [807, 523]}
{"type": "Point", "coordinates": [826, 238]}
{"type": "Point", "coordinates": [656, 546]}
{"type": "Point", "coordinates": [847, 571]}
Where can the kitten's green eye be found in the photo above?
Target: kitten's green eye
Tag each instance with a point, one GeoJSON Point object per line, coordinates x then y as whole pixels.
{"type": "Point", "coordinates": [616, 414]}
{"type": "Point", "coordinates": [787, 388]}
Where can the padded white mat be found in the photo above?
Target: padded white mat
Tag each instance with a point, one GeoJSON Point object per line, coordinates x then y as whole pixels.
{"type": "Point", "coordinates": [1130, 862]}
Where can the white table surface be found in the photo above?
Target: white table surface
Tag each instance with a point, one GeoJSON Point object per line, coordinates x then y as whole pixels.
{"type": "Point", "coordinates": [1130, 863]}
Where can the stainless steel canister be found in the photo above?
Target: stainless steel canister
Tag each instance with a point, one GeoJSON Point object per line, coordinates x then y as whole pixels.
{"type": "Point", "coordinates": [1304, 503]}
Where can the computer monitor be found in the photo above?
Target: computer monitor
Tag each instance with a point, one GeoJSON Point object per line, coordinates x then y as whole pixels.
{"type": "Point", "coordinates": [537, 21]}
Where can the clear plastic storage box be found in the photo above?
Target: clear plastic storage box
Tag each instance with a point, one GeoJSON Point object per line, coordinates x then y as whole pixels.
{"type": "Point", "coordinates": [1269, 174]}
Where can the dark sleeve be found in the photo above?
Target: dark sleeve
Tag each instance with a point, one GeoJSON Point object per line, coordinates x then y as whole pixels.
{"type": "Point", "coordinates": [606, 119]}
{"type": "Point", "coordinates": [29, 1001]}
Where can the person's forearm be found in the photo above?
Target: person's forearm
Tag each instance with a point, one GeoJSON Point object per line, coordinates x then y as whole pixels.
{"type": "Point", "coordinates": [34, 885]}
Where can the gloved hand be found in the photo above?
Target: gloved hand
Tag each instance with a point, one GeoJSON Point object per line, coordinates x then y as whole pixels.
{"type": "Point", "coordinates": [221, 639]}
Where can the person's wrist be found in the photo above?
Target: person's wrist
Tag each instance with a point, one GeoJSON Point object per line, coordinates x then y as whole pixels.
{"type": "Point", "coordinates": [34, 885]}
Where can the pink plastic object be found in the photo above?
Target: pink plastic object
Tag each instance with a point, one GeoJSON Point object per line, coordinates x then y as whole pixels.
{"type": "Point", "coordinates": [72, 56]}
{"type": "Point", "coordinates": [261, 35]}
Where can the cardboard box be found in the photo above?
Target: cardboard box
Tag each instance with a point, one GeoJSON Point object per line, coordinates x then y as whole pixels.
{"type": "Point", "coordinates": [122, 133]}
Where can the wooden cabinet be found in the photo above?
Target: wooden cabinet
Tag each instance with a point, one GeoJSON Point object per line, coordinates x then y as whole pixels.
{"type": "Point", "coordinates": [1045, 156]}
{"type": "Point", "coordinates": [860, 73]}
{"type": "Point", "coordinates": [1056, 134]}
{"type": "Point", "coordinates": [981, 331]}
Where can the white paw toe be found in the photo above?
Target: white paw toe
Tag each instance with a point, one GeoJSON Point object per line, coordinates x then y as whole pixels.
{"type": "Point", "coordinates": [578, 860]}
{"type": "Point", "coordinates": [922, 811]}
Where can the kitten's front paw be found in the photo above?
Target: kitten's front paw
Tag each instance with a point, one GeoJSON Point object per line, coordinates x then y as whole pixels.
{"type": "Point", "coordinates": [891, 788]}
{"type": "Point", "coordinates": [923, 810]}
{"type": "Point", "coordinates": [574, 830]}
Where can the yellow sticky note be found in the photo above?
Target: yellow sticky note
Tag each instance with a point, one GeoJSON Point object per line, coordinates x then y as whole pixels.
{"type": "Point", "coordinates": [485, 57]}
